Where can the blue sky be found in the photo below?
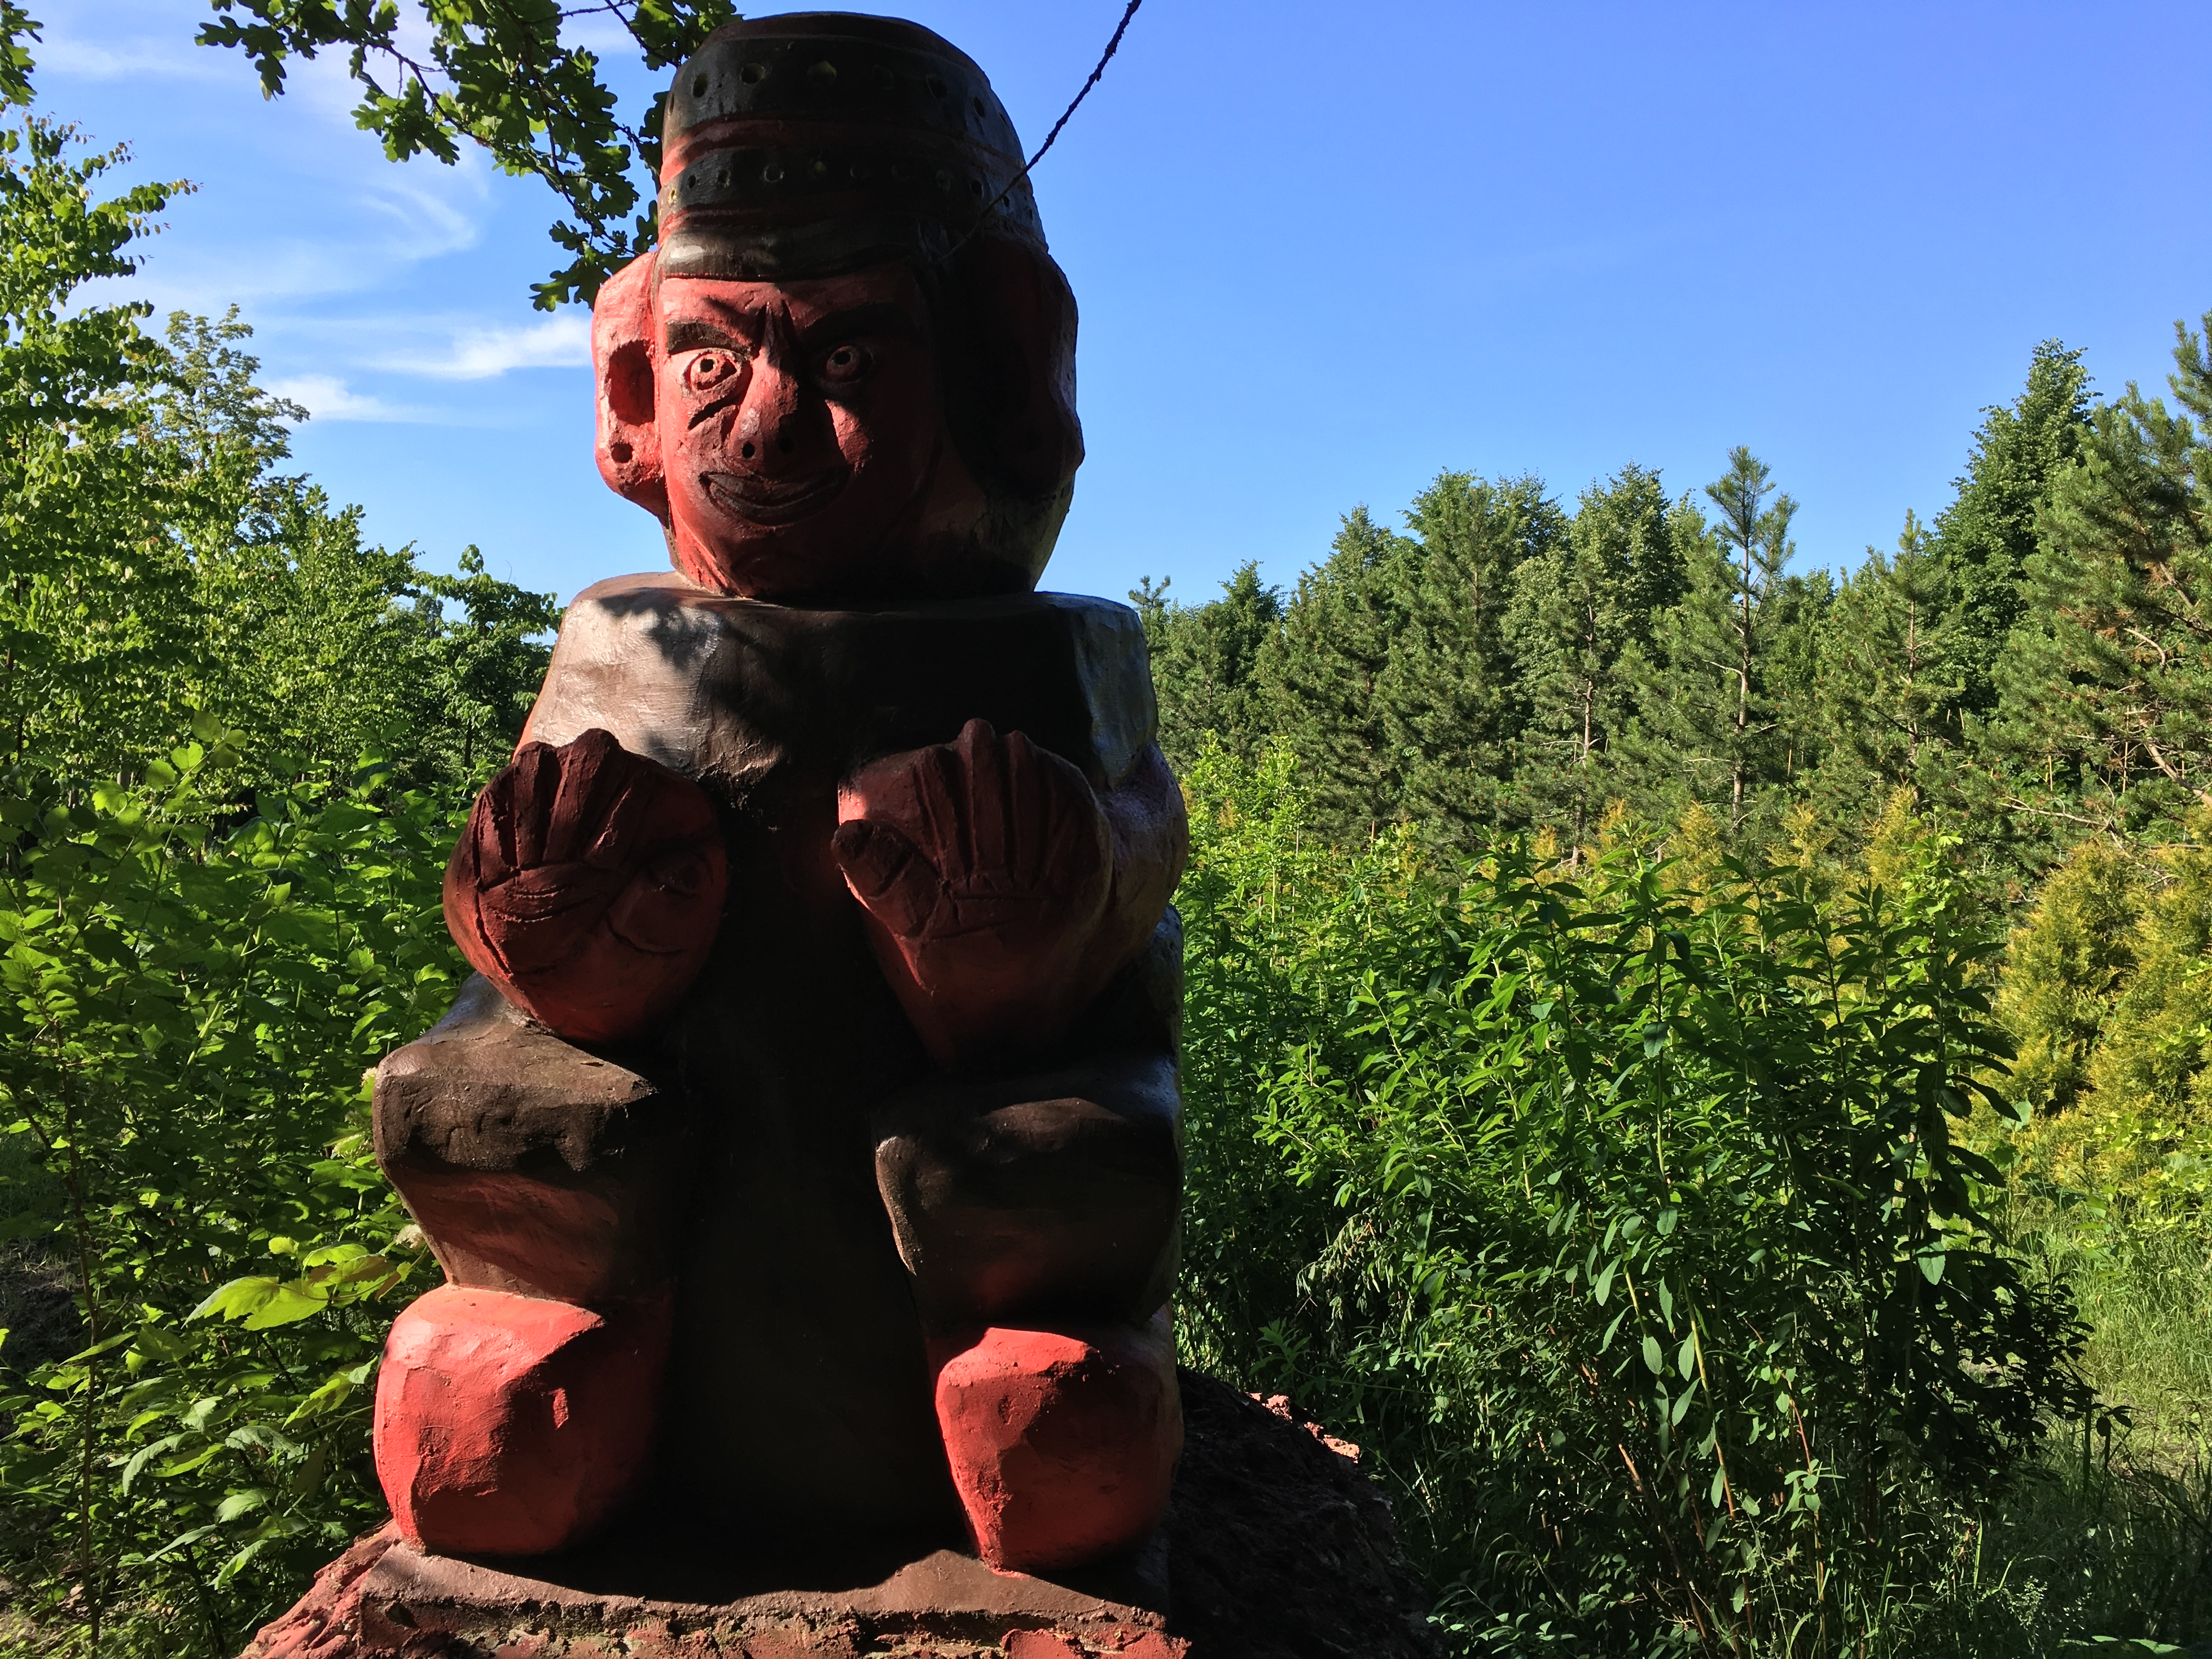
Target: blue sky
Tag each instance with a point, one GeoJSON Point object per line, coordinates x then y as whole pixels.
{"type": "Point", "coordinates": [1322, 251]}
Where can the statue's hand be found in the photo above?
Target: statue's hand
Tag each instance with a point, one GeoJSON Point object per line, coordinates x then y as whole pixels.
{"type": "Point", "coordinates": [588, 886]}
{"type": "Point", "coordinates": [986, 867]}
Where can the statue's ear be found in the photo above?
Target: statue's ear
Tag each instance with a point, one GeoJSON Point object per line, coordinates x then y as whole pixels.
{"type": "Point", "coordinates": [626, 358]}
{"type": "Point", "coordinates": [1022, 316]}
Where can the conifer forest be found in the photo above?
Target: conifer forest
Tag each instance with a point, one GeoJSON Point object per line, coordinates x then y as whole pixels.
{"type": "Point", "coordinates": [1702, 1069]}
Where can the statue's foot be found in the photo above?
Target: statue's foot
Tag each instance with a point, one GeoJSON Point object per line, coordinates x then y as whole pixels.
{"type": "Point", "coordinates": [511, 1426]}
{"type": "Point", "coordinates": [1063, 1444]}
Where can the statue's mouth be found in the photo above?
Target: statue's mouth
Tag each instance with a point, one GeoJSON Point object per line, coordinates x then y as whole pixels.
{"type": "Point", "coordinates": [774, 501]}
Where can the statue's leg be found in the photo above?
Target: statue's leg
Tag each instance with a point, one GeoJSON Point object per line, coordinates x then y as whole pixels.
{"type": "Point", "coordinates": [516, 1406]}
{"type": "Point", "coordinates": [1039, 1216]}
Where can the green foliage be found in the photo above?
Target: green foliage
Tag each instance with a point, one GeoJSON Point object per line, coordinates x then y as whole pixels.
{"type": "Point", "coordinates": [202, 947]}
{"type": "Point", "coordinates": [1629, 1228]}
{"type": "Point", "coordinates": [92, 604]}
{"type": "Point", "coordinates": [326, 648]}
{"type": "Point", "coordinates": [1984, 538]}
{"type": "Point", "coordinates": [2107, 682]}
{"type": "Point", "coordinates": [160, 563]}
{"type": "Point", "coordinates": [1451, 709]}
{"type": "Point", "coordinates": [185, 1021]}
{"type": "Point", "coordinates": [1324, 679]}
{"type": "Point", "coordinates": [1579, 606]}
{"type": "Point", "coordinates": [2070, 959]}
{"type": "Point", "coordinates": [1720, 693]}
{"type": "Point", "coordinates": [2110, 989]}
{"type": "Point", "coordinates": [496, 73]}
{"type": "Point", "coordinates": [1207, 663]}
{"type": "Point", "coordinates": [1892, 680]}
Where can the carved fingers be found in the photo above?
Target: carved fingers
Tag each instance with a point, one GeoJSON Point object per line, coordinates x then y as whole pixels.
{"type": "Point", "coordinates": [987, 835]}
{"type": "Point", "coordinates": [588, 886]}
{"type": "Point", "coordinates": [1001, 894]}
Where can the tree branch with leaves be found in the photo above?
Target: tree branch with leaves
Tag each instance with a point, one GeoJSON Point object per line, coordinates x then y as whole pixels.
{"type": "Point", "coordinates": [435, 73]}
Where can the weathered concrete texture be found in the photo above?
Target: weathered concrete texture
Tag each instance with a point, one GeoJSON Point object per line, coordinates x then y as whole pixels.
{"type": "Point", "coordinates": [1276, 1547]}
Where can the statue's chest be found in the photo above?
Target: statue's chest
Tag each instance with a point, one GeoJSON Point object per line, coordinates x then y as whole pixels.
{"type": "Point", "coordinates": [768, 707]}
{"type": "Point", "coordinates": [748, 697]}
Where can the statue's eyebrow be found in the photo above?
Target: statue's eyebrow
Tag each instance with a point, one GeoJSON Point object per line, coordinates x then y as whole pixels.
{"type": "Point", "coordinates": [688, 333]}
{"type": "Point", "coordinates": [886, 319]}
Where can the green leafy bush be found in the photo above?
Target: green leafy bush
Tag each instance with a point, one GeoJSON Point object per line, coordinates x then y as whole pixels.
{"type": "Point", "coordinates": [186, 1014]}
{"type": "Point", "coordinates": [1626, 1226]}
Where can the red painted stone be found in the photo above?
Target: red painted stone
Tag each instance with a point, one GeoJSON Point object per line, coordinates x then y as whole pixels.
{"type": "Point", "coordinates": [996, 903]}
{"type": "Point", "coordinates": [509, 1426]}
{"type": "Point", "coordinates": [1063, 1446]}
{"type": "Point", "coordinates": [588, 886]}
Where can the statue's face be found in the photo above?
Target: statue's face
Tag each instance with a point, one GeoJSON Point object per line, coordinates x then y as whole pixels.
{"type": "Point", "coordinates": [803, 434]}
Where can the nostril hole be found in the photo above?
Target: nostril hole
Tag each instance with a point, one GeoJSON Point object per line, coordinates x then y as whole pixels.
{"type": "Point", "coordinates": [621, 452]}
{"type": "Point", "coordinates": [745, 449]}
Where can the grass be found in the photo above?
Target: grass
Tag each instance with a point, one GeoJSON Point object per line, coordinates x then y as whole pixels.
{"type": "Point", "coordinates": [2106, 1545]}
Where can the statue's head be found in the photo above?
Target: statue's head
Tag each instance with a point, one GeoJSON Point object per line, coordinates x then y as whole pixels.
{"type": "Point", "coordinates": [848, 373]}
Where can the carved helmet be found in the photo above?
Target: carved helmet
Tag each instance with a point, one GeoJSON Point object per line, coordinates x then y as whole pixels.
{"type": "Point", "coordinates": [817, 142]}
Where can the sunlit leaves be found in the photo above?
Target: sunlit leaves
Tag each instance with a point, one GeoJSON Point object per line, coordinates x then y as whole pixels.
{"type": "Point", "coordinates": [1626, 1226]}
{"type": "Point", "coordinates": [187, 1013]}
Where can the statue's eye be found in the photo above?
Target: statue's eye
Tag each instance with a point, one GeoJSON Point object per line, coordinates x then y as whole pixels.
{"type": "Point", "coordinates": [710, 369]}
{"type": "Point", "coordinates": [846, 364]}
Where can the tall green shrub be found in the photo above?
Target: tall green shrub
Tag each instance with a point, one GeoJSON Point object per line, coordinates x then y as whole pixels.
{"type": "Point", "coordinates": [185, 1014]}
{"type": "Point", "coordinates": [1630, 1231]}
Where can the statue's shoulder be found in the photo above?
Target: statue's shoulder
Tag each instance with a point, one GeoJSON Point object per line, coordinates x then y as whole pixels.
{"type": "Point", "coordinates": [705, 682]}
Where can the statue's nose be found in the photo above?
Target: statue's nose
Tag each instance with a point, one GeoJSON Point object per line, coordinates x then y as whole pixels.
{"type": "Point", "coordinates": [775, 432]}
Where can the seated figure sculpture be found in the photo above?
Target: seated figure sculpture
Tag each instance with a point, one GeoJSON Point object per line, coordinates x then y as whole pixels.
{"type": "Point", "coordinates": [804, 1159]}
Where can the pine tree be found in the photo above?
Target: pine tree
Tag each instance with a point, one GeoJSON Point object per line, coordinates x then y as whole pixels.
{"type": "Point", "coordinates": [1322, 674]}
{"type": "Point", "coordinates": [1578, 603]}
{"type": "Point", "coordinates": [1722, 693]}
{"type": "Point", "coordinates": [1984, 538]}
{"type": "Point", "coordinates": [1758, 536]}
{"type": "Point", "coordinates": [1205, 664]}
{"type": "Point", "coordinates": [1890, 678]}
{"type": "Point", "coordinates": [1449, 699]}
{"type": "Point", "coordinates": [2106, 684]}
{"type": "Point", "coordinates": [1795, 618]}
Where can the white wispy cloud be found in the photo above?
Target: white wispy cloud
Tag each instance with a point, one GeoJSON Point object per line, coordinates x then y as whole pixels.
{"type": "Point", "coordinates": [482, 354]}
{"type": "Point", "coordinates": [141, 58]}
{"type": "Point", "coordinates": [326, 398]}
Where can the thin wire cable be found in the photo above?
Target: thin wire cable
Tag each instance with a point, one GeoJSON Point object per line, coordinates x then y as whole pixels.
{"type": "Point", "coordinates": [1105, 59]}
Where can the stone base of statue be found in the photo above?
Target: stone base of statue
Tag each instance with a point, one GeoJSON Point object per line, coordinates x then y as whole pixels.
{"type": "Point", "coordinates": [1276, 1547]}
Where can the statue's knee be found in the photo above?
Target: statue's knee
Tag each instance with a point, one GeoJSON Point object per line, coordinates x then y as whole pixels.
{"type": "Point", "coordinates": [1063, 1444]}
{"type": "Point", "coordinates": [514, 1426]}
{"type": "Point", "coordinates": [1038, 1209]}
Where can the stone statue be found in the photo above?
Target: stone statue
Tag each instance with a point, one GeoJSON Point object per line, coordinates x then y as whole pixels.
{"type": "Point", "coordinates": [804, 1161]}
